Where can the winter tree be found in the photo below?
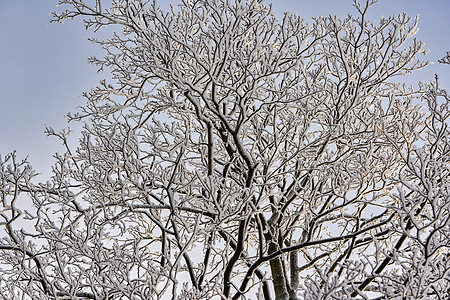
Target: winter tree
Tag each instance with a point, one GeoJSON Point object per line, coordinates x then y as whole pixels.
{"type": "Point", "coordinates": [234, 155]}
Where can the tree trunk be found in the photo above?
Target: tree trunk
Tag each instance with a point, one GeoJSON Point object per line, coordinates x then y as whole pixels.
{"type": "Point", "coordinates": [279, 282]}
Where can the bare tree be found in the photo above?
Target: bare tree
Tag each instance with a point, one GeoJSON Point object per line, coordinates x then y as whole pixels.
{"type": "Point", "coordinates": [239, 156]}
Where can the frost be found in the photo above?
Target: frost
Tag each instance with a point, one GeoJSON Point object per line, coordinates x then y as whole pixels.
{"type": "Point", "coordinates": [236, 155]}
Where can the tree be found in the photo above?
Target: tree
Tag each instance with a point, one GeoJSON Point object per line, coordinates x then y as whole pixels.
{"type": "Point", "coordinates": [236, 156]}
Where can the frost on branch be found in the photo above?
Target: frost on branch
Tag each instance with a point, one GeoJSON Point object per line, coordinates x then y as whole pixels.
{"type": "Point", "coordinates": [445, 59]}
{"type": "Point", "coordinates": [235, 155]}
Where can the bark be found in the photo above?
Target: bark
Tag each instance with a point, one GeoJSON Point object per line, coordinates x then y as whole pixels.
{"type": "Point", "coordinates": [279, 281]}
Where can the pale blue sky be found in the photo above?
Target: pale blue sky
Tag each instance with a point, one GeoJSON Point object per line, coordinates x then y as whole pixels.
{"type": "Point", "coordinates": [43, 68]}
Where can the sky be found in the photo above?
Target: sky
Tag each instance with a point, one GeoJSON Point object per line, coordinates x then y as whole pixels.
{"type": "Point", "coordinates": [43, 68]}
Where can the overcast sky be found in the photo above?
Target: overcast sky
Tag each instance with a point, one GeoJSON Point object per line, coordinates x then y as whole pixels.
{"type": "Point", "coordinates": [43, 69]}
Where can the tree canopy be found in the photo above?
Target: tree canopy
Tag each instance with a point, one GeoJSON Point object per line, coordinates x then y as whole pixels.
{"type": "Point", "coordinates": [235, 155]}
